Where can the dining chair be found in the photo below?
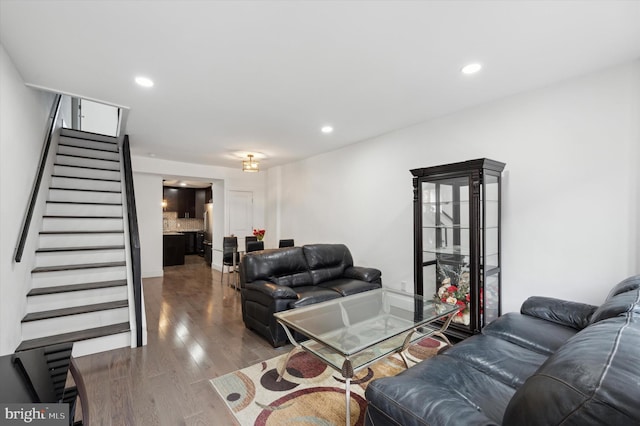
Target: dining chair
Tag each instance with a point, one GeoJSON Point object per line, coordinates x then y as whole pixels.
{"type": "Point", "coordinates": [247, 240]}
{"type": "Point", "coordinates": [286, 243]}
{"type": "Point", "coordinates": [255, 246]}
{"type": "Point", "coordinates": [230, 259]}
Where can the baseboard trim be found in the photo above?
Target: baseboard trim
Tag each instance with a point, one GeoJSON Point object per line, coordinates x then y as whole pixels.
{"type": "Point", "coordinates": [153, 274]}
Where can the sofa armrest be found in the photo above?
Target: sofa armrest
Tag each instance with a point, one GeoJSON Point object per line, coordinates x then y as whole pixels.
{"type": "Point", "coordinates": [272, 290]}
{"type": "Point", "coordinates": [571, 314]}
{"type": "Point", "coordinates": [370, 275]}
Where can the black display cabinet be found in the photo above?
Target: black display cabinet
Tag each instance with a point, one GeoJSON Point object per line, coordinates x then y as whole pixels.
{"type": "Point", "coordinates": [457, 239]}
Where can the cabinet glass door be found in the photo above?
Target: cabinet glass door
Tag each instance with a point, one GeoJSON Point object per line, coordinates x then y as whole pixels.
{"type": "Point", "coordinates": [446, 244]}
{"type": "Point", "coordinates": [490, 250]}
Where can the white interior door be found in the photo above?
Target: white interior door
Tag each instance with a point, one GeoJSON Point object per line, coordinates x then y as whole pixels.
{"type": "Point", "coordinates": [98, 118]}
{"type": "Point", "coordinates": [241, 215]}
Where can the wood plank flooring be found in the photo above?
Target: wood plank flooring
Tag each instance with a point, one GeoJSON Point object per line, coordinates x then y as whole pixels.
{"type": "Point", "coordinates": [195, 333]}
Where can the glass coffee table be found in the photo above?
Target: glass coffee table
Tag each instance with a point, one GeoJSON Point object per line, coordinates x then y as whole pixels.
{"type": "Point", "coordinates": [353, 332]}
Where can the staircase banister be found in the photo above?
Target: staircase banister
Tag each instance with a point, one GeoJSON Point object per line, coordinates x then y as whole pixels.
{"type": "Point", "coordinates": [26, 223]}
{"type": "Point", "coordinates": [134, 238]}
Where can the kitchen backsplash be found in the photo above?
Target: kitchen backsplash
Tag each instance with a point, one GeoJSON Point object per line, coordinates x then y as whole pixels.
{"type": "Point", "coordinates": [172, 223]}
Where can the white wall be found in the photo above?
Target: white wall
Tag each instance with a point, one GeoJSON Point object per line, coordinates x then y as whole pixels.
{"type": "Point", "coordinates": [148, 191]}
{"type": "Point", "coordinates": [23, 115]}
{"type": "Point", "coordinates": [148, 174]}
{"type": "Point", "coordinates": [570, 212]}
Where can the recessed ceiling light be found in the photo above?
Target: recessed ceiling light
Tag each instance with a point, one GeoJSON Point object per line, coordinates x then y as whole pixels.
{"type": "Point", "coordinates": [183, 184]}
{"type": "Point", "coordinates": [471, 68]}
{"type": "Point", "coordinates": [144, 81]}
{"type": "Point", "coordinates": [326, 129]}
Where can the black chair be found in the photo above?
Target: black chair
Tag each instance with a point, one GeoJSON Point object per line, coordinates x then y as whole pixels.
{"type": "Point", "coordinates": [247, 240]}
{"type": "Point", "coordinates": [255, 246]}
{"type": "Point", "coordinates": [40, 375]}
{"type": "Point", "coordinates": [286, 243]}
{"type": "Point", "coordinates": [230, 258]}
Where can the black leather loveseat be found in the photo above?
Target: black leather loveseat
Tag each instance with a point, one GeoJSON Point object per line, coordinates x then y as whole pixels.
{"type": "Point", "coordinates": [276, 280]}
{"type": "Point", "coordinates": [554, 363]}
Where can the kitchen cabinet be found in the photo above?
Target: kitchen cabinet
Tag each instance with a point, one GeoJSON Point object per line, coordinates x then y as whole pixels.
{"type": "Point", "coordinates": [182, 201]}
{"type": "Point", "coordinates": [170, 196]}
{"type": "Point", "coordinates": [190, 242]}
{"type": "Point", "coordinates": [173, 249]}
{"type": "Point", "coordinates": [187, 203]}
{"type": "Point", "coordinates": [200, 243]}
{"type": "Point", "coordinates": [457, 240]}
{"type": "Point", "coordinates": [200, 201]}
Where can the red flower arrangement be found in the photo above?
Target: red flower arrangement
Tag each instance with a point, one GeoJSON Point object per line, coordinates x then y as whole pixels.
{"type": "Point", "coordinates": [259, 233]}
{"type": "Point", "coordinates": [457, 295]}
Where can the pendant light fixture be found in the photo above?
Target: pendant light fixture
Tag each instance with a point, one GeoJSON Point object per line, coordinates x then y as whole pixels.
{"type": "Point", "coordinates": [250, 165]}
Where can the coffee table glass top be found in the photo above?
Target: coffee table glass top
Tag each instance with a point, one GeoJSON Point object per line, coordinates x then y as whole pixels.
{"type": "Point", "coordinates": [365, 326]}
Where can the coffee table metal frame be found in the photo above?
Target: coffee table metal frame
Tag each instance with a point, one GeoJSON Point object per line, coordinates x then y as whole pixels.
{"type": "Point", "coordinates": [349, 340]}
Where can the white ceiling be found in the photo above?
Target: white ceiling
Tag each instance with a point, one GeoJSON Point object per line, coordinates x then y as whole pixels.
{"type": "Point", "coordinates": [266, 75]}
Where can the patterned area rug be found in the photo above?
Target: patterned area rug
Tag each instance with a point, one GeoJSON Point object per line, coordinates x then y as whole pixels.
{"type": "Point", "coordinates": [310, 393]}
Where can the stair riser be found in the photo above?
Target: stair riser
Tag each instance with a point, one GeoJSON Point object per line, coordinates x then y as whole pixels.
{"type": "Point", "coordinates": [88, 152]}
{"type": "Point", "coordinates": [71, 323]}
{"type": "Point", "coordinates": [82, 172]}
{"type": "Point", "coordinates": [84, 143]}
{"type": "Point", "coordinates": [84, 196]}
{"type": "Point", "coordinates": [56, 209]}
{"type": "Point", "coordinates": [71, 224]}
{"type": "Point", "coordinates": [86, 137]}
{"type": "Point", "coordinates": [47, 302]}
{"type": "Point", "coordinates": [80, 240]}
{"type": "Point", "coordinates": [79, 257]}
{"type": "Point", "coordinates": [94, 185]}
{"type": "Point", "coordinates": [101, 344]}
{"type": "Point", "coordinates": [55, 278]}
{"type": "Point", "coordinates": [87, 162]}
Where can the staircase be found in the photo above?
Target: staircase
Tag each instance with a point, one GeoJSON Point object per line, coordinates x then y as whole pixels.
{"type": "Point", "coordinates": [79, 283]}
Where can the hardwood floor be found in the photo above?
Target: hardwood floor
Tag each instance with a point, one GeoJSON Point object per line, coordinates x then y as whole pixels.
{"type": "Point", "coordinates": [195, 333]}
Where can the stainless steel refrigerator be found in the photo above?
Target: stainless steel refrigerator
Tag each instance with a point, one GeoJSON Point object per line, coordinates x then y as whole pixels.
{"type": "Point", "coordinates": [208, 232]}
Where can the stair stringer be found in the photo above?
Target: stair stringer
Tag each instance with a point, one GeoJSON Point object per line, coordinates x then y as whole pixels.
{"type": "Point", "coordinates": [128, 252]}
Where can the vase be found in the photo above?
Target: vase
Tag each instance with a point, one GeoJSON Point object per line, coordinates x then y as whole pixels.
{"type": "Point", "coordinates": [464, 319]}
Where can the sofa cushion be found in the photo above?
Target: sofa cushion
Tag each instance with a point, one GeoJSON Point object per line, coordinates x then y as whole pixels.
{"type": "Point", "coordinates": [529, 332]}
{"type": "Point", "coordinates": [309, 295]}
{"type": "Point", "coordinates": [592, 379]}
{"type": "Point", "coordinates": [361, 273]}
{"type": "Point", "coordinates": [621, 301]}
{"type": "Point", "coordinates": [628, 284]}
{"type": "Point", "coordinates": [571, 314]}
{"type": "Point", "coordinates": [327, 261]}
{"type": "Point", "coordinates": [504, 361]}
{"type": "Point", "coordinates": [273, 291]}
{"type": "Point", "coordinates": [286, 267]}
{"type": "Point", "coordinates": [438, 391]}
{"type": "Point", "coordinates": [347, 286]}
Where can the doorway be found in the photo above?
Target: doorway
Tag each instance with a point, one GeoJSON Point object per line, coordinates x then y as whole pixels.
{"type": "Point", "coordinates": [95, 117]}
{"type": "Point", "coordinates": [187, 222]}
{"type": "Point", "coordinates": [241, 215]}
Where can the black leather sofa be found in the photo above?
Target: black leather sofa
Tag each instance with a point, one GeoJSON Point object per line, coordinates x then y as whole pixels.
{"type": "Point", "coordinates": [280, 279]}
{"type": "Point", "coordinates": [554, 363]}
